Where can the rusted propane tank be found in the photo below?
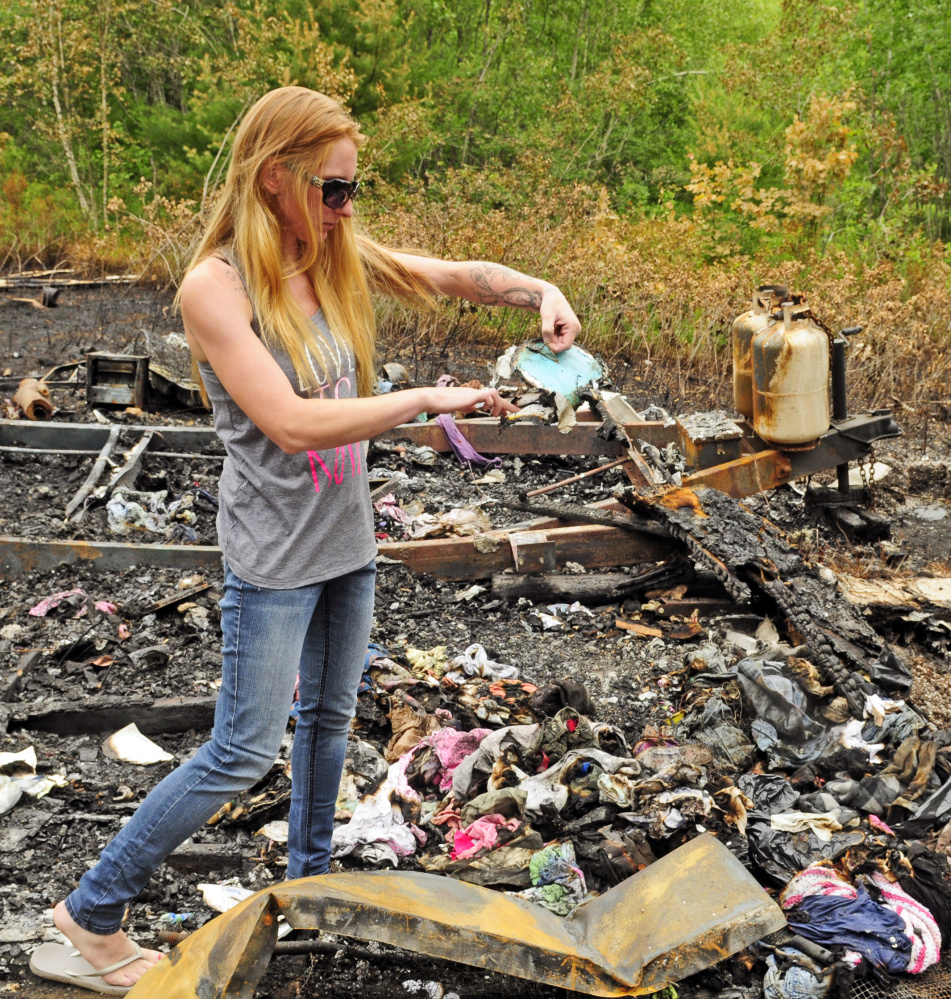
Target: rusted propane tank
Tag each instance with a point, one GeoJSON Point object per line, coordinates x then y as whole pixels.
{"type": "Point", "coordinates": [745, 327]}
{"type": "Point", "coordinates": [791, 379]}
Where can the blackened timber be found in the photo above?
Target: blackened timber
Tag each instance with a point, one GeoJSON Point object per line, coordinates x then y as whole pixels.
{"type": "Point", "coordinates": [591, 587]}
{"type": "Point", "coordinates": [490, 436]}
{"type": "Point", "coordinates": [99, 714]}
{"type": "Point", "coordinates": [585, 515]}
{"type": "Point", "coordinates": [593, 546]}
{"type": "Point", "coordinates": [89, 436]}
{"type": "Point", "coordinates": [22, 555]}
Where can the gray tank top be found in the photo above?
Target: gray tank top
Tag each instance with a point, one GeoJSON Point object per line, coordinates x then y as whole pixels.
{"type": "Point", "coordinates": [288, 520]}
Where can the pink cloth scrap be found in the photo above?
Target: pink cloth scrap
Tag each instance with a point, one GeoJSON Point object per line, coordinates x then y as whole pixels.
{"type": "Point", "coordinates": [814, 881]}
{"type": "Point", "coordinates": [451, 747]}
{"type": "Point", "coordinates": [45, 606]}
{"type": "Point", "coordinates": [461, 448]}
{"type": "Point", "coordinates": [876, 823]}
{"type": "Point", "coordinates": [920, 926]}
{"type": "Point", "coordinates": [480, 837]}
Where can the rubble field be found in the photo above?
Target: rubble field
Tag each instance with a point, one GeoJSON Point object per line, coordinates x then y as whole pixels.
{"type": "Point", "coordinates": [675, 710]}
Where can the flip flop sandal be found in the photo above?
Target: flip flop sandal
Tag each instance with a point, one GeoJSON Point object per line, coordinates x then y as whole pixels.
{"type": "Point", "coordinates": [62, 963]}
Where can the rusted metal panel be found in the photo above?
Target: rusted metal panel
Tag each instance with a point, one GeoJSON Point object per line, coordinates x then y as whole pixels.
{"type": "Point", "coordinates": [682, 914]}
{"type": "Point", "coordinates": [20, 555]}
{"type": "Point", "coordinates": [593, 546]}
{"type": "Point", "coordinates": [116, 379]}
{"type": "Point", "coordinates": [753, 473]}
{"type": "Point", "coordinates": [532, 551]}
{"type": "Point", "coordinates": [707, 439]}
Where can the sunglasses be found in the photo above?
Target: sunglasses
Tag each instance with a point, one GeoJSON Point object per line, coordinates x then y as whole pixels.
{"type": "Point", "coordinates": [336, 192]}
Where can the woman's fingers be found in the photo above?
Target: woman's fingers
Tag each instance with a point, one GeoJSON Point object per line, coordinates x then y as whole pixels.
{"type": "Point", "coordinates": [560, 325]}
{"type": "Point", "coordinates": [468, 400]}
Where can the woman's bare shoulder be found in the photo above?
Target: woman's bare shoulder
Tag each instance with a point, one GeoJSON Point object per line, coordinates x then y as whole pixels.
{"type": "Point", "coordinates": [215, 275]}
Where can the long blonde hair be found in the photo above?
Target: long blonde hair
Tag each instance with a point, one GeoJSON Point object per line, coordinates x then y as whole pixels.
{"type": "Point", "coordinates": [297, 127]}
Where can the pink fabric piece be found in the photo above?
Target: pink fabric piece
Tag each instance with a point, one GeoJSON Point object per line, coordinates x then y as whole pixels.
{"type": "Point", "coordinates": [815, 881]}
{"type": "Point", "coordinates": [45, 606]}
{"type": "Point", "coordinates": [106, 607]}
{"type": "Point", "coordinates": [876, 823]}
{"type": "Point", "coordinates": [461, 448]}
{"type": "Point", "coordinates": [920, 925]}
{"type": "Point", "coordinates": [451, 747]}
{"type": "Point", "coordinates": [480, 837]}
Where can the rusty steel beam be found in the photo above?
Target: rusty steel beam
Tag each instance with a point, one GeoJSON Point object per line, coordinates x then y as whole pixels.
{"type": "Point", "coordinates": [689, 910]}
{"type": "Point", "coordinates": [847, 440]}
{"type": "Point", "coordinates": [753, 473]}
{"type": "Point", "coordinates": [22, 555]}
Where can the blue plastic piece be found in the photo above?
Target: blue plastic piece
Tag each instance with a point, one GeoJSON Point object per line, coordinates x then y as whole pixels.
{"type": "Point", "coordinates": [569, 373]}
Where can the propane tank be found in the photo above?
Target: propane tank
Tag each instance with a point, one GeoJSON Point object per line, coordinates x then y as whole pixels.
{"type": "Point", "coordinates": [745, 327]}
{"type": "Point", "coordinates": [791, 379]}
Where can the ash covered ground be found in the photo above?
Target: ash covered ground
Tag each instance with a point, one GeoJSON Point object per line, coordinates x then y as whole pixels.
{"type": "Point", "coordinates": [83, 655]}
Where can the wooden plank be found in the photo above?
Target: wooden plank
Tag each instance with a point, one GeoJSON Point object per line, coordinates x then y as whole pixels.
{"type": "Point", "coordinates": [488, 437]}
{"type": "Point", "coordinates": [591, 587]}
{"type": "Point", "coordinates": [88, 436]}
{"type": "Point", "coordinates": [93, 715]}
{"type": "Point", "coordinates": [593, 546]}
{"type": "Point", "coordinates": [22, 555]}
{"type": "Point", "coordinates": [172, 601]}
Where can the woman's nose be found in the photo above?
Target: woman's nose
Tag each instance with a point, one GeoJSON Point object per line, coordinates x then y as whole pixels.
{"type": "Point", "coordinates": [346, 211]}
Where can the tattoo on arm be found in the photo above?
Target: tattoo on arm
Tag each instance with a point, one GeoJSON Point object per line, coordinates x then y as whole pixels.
{"type": "Point", "coordinates": [235, 279]}
{"type": "Point", "coordinates": [497, 286]}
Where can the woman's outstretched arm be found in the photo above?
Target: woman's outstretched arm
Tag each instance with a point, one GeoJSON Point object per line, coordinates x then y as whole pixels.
{"type": "Point", "coordinates": [217, 318]}
{"type": "Point", "coordinates": [493, 284]}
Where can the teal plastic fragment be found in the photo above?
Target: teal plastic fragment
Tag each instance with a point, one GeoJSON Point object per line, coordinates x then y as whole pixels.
{"type": "Point", "coordinates": [569, 372]}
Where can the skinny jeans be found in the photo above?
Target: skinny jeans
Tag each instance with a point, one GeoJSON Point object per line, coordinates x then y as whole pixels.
{"type": "Point", "coordinates": [270, 637]}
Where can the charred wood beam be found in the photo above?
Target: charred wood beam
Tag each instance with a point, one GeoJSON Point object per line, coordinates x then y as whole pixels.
{"type": "Point", "coordinates": [592, 587]}
{"type": "Point", "coordinates": [97, 469]}
{"type": "Point", "coordinates": [594, 546]}
{"type": "Point", "coordinates": [94, 715]}
{"type": "Point", "coordinates": [38, 452]}
{"type": "Point", "coordinates": [585, 515]}
{"type": "Point", "coordinates": [492, 436]}
{"type": "Point", "coordinates": [92, 436]}
{"type": "Point", "coordinates": [21, 555]}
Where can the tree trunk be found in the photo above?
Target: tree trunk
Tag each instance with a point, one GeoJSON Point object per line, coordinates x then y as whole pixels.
{"type": "Point", "coordinates": [106, 10]}
{"type": "Point", "coordinates": [56, 31]}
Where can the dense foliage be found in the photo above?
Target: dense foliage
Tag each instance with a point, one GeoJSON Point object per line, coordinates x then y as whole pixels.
{"type": "Point", "coordinates": [657, 158]}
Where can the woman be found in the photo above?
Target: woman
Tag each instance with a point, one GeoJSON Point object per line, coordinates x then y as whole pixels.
{"type": "Point", "coordinates": [276, 307]}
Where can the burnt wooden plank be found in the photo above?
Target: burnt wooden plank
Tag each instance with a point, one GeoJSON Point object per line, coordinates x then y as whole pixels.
{"type": "Point", "coordinates": [487, 436]}
{"type": "Point", "coordinates": [593, 546]}
{"type": "Point", "coordinates": [91, 436]}
{"type": "Point", "coordinates": [21, 555]}
{"type": "Point", "coordinates": [94, 715]}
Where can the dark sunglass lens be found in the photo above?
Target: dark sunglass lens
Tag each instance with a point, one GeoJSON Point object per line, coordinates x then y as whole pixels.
{"type": "Point", "coordinates": [337, 193]}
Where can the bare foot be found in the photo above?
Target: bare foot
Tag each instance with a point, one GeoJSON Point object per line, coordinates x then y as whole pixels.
{"type": "Point", "coordinates": [101, 951]}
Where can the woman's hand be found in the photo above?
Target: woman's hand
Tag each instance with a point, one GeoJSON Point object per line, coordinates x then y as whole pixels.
{"type": "Point", "coordinates": [560, 325]}
{"type": "Point", "coordinates": [465, 400]}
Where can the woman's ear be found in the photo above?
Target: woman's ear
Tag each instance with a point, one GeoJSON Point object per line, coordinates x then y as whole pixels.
{"type": "Point", "coordinates": [271, 176]}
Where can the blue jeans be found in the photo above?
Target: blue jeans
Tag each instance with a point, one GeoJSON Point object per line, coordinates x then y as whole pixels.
{"type": "Point", "coordinates": [320, 632]}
